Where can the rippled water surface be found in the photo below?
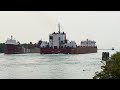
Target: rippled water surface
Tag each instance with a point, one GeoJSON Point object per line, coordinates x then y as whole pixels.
{"type": "Point", "coordinates": [36, 66]}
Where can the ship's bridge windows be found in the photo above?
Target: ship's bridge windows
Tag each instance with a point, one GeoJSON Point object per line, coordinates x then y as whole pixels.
{"type": "Point", "coordinates": [61, 46]}
{"type": "Point", "coordinates": [66, 41]}
{"type": "Point", "coordinates": [61, 41]}
{"type": "Point", "coordinates": [51, 37]}
{"type": "Point", "coordinates": [55, 47]}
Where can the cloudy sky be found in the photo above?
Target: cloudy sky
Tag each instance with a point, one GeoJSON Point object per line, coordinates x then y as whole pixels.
{"type": "Point", "coordinates": [31, 26]}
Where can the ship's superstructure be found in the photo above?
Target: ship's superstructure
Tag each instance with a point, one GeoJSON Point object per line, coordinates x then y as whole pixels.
{"type": "Point", "coordinates": [88, 43]}
{"type": "Point", "coordinates": [12, 41]}
{"type": "Point", "coordinates": [59, 44]}
{"type": "Point", "coordinates": [12, 46]}
{"type": "Point", "coordinates": [58, 40]}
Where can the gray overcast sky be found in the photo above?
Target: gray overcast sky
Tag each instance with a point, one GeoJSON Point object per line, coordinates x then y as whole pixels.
{"type": "Point", "coordinates": [101, 26]}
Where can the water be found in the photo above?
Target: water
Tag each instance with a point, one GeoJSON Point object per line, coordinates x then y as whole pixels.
{"type": "Point", "coordinates": [36, 66]}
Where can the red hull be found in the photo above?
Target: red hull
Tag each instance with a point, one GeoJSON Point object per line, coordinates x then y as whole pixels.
{"type": "Point", "coordinates": [13, 49]}
{"type": "Point", "coordinates": [78, 50]}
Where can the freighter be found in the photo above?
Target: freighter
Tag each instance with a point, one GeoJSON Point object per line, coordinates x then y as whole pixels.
{"type": "Point", "coordinates": [13, 47]}
{"type": "Point", "coordinates": [58, 44]}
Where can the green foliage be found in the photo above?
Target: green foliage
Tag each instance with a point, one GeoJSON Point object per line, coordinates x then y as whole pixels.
{"type": "Point", "coordinates": [2, 47]}
{"type": "Point", "coordinates": [111, 68]}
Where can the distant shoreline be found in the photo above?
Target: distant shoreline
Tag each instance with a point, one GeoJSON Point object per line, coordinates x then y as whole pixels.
{"type": "Point", "coordinates": [108, 49]}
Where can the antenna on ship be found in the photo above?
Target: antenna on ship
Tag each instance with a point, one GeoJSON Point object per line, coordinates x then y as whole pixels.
{"type": "Point", "coordinates": [87, 42]}
{"type": "Point", "coordinates": [59, 27]}
{"type": "Point", "coordinates": [11, 37]}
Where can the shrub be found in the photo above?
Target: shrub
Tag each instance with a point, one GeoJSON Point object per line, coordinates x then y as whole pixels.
{"type": "Point", "coordinates": [111, 68]}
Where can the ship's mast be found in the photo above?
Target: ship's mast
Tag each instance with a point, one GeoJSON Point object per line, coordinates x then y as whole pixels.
{"type": "Point", "coordinates": [59, 27]}
{"type": "Point", "coordinates": [59, 33]}
{"type": "Point", "coordinates": [87, 42]}
{"type": "Point", "coordinates": [11, 37]}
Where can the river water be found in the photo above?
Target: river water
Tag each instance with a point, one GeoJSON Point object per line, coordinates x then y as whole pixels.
{"type": "Point", "coordinates": [36, 66]}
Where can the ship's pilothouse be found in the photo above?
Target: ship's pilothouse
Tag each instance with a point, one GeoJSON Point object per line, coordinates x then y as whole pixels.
{"type": "Point", "coordinates": [12, 41]}
{"type": "Point", "coordinates": [58, 40]}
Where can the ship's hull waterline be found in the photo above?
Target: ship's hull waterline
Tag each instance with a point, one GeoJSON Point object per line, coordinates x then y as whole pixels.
{"type": "Point", "coordinates": [78, 50]}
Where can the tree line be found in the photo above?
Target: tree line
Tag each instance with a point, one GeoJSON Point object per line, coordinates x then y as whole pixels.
{"type": "Point", "coordinates": [2, 45]}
